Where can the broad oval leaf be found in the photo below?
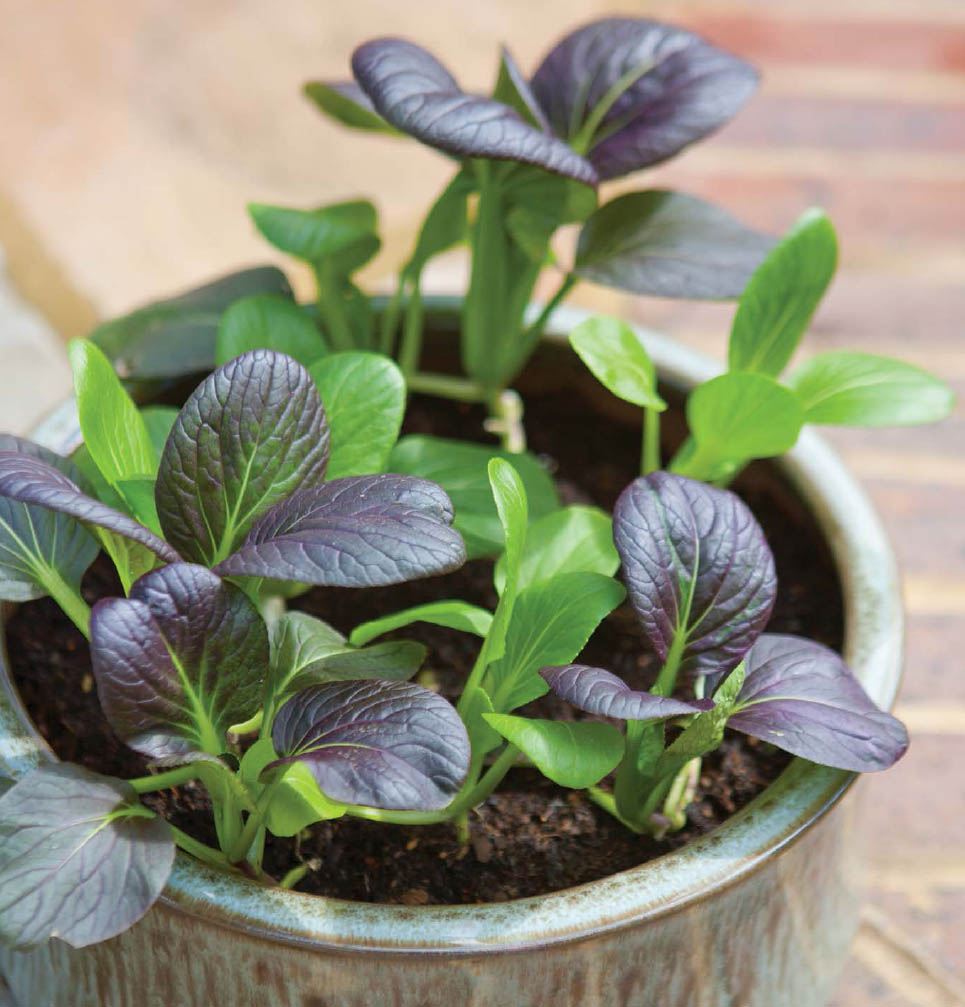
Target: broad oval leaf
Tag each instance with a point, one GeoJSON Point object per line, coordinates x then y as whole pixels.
{"type": "Point", "coordinates": [174, 337]}
{"type": "Point", "coordinates": [736, 417]}
{"type": "Point", "coordinates": [452, 614]}
{"type": "Point", "coordinates": [667, 244]}
{"type": "Point", "coordinates": [634, 92]}
{"type": "Point", "coordinates": [414, 92]}
{"type": "Point", "coordinates": [605, 694]}
{"type": "Point", "coordinates": [461, 469]}
{"type": "Point", "coordinates": [29, 479]}
{"type": "Point", "coordinates": [179, 661]}
{"type": "Point", "coordinates": [335, 230]}
{"type": "Point", "coordinates": [298, 802]}
{"type": "Point", "coordinates": [364, 397]}
{"type": "Point", "coordinates": [348, 104]}
{"type": "Point", "coordinates": [362, 531]}
{"type": "Point", "coordinates": [574, 539]}
{"type": "Point", "coordinates": [782, 295]}
{"type": "Point", "coordinates": [800, 696]}
{"type": "Point", "coordinates": [617, 359]}
{"type": "Point", "coordinates": [387, 745]}
{"type": "Point", "coordinates": [573, 754]}
{"type": "Point", "coordinates": [697, 566]}
{"type": "Point", "coordinates": [268, 322]}
{"type": "Point", "coordinates": [864, 390]}
{"type": "Point", "coordinates": [34, 540]}
{"type": "Point", "coordinates": [250, 434]}
{"type": "Point", "coordinates": [551, 623]}
{"type": "Point", "coordinates": [81, 858]}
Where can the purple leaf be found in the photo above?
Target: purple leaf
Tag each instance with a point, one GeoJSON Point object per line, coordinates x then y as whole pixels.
{"type": "Point", "coordinates": [81, 858]}
{"type": "Point", "coordinates": [800, 696]}
{"type": "Point", "coordinates": [250, 434]}
{"type": "Point", "coordinates": [361, 531]}
{"type": "Point", "coordinates": [413, 91]}
{"type": "Point", "coordinates": [603, 693]}
{"type": "Point", "coordinates": [30, 480]}
{"type": "Point", "coordinates": [696, 563]}
{"type": "Point", "coordinates": [677, 88]}
{"type": "Point", "coordinates": [179, 661]}
{"type": "Point", "coordinates": [382, 744]}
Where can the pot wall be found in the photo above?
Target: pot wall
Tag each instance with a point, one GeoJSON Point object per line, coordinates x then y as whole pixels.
{"type": "Point", "coordinates": [758, 914]}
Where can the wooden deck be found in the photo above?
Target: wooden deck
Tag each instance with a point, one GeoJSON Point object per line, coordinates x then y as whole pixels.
{"type": "Point", "coordinates": [135, 133]}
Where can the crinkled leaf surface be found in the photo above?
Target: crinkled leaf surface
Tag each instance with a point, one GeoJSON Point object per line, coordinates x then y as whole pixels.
{"type": "Point", "coordinates": [452, 614]}
{"type": "Point", "coordinates": [348, 104]}
{"type": "Point", "coordinates": [250, 434]}
{"type": "Point", "coordinates": [667, 244]}
{"type": "Point", "coordinates": [179, 661]}
{"type": "Point", "coordinates": [380, 744]}
{"type": "Point", "coordinates": [174, 337]}
{"type": "Point", "coordinates": [551, 623]}
{"type": "Point", "coordinates": [573, 754]}
{"type": "Point", "coordinates": [81, 858]}
{"type": "Point", "coordinates": [306, 651]}
{"type": "Point", "coordinates": [30, 479]}
{"type": "Point", "coordinates": [605, 694]}
{"type": "Point", "coordinates": [634, 92]}
{"type": "Point", "coordinates": [574, 539]}
{"type": "Point", "coordinates": [865, 390]}
{"type": "Point", "coordinates": [364, 397]}
{"type": "Point", "coordinates": [34, 539]}
{"type": "Point", "coordinates": [782, 295]}
{"type": "Point", "coordinates": [268, 322]}
{"type": "Point", "coordinates": [800, 696]}
{"type": "Point", "coordinates": [414, 92]}
{"type": "Point", "coordinates": [361, 531]}
{"type": "Point", "coordinates": [696, 563]}
{"type": "Point", "coordinates": [461, 469]}
{"type": "Point", "coordinates": [617, 359]}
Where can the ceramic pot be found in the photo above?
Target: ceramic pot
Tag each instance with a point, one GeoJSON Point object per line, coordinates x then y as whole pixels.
{"type": "Point", "coordinates": [759, 913]}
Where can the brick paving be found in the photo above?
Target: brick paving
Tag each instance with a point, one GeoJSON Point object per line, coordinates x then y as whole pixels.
{"type": "Point", "coordinates": [137, 132]}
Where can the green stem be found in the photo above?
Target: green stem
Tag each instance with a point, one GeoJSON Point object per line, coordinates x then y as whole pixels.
{"type": "Point", "coordinates": [536, 329]}
{"type": "Point", "coordinates": [410, 351]}
{"type": "Point", "coordinates": [68, 598]}
{"type": "Point", "coordinates": [200, 851]}
{"type": "Point", "coordinates": [607, 801]}
{"type": "Point", "coordinates": [249, 725]}
{"type": "Point", "coordinates": [650, 452]}
{"type": "Point", "coordinates": [445, 386]}
{"type": "Point", "coordinates": [294, 876]}
{"type": "Point", "coordinates": [390, 318]}
{"type": "Point", "coordinates": [239, 850]}
{"type": "Point", "coordinates": [332, 309]}
{"type": "Point", "coordinates": [667, 678]}
{"type": "Point", "coordinates": [162, 781]}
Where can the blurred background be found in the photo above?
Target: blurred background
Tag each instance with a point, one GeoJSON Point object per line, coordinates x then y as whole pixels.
{"type": "Point", "coordinates": [134, 133]}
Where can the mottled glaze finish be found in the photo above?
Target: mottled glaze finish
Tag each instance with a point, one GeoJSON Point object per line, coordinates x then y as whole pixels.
{"type": "Point", "coordinates": [758, 914]}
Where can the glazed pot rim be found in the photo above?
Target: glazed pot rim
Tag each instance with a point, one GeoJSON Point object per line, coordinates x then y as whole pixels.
{"type": "Point", "coordinates": [790, 805]}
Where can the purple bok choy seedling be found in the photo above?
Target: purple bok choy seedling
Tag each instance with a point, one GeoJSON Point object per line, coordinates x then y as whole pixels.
{"type": "Point", "coordinates": [186, 662]}
{"type": "Point", "coordinates": [701, 578]}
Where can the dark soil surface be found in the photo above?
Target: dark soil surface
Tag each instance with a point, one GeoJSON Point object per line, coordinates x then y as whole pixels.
{"type": "Point", "coordinates": [531, 836]}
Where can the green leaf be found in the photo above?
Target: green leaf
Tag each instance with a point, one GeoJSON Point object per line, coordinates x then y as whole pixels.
{"type": "Point", "coordinates": [614, 354]}
{"type": "Point", "coordinates": [446, 224]}
{"type": "Point", "coordinates": [348, 104]}
{"type": "Point", "coordinates": [338, 229]}
{"type": "Point", "coordinates": [782, 295]}
{"type": "Point", "coordinates": [476, 706]}
{"type": "Point", "coordinates": [573, 754]}
{"type": "Point", "coordinates": [306, 651]}
{"type": "Point", "coordinates": [268, 322]}
{"type": "Point", "coordinates": [39, 546]}
{"type": "Point", "coordinates": [511, 505]}
{"type": "Point", "coordinates": [452, 614]}
{"type": "Point", "coordinates": [550, 624]}
{"type": "Point", "coordinates": [573, 539]}
{"type": "Point", "coordinates": [114, 430]}
{"type": "Point", "coordinates": [297, 803]}
{"type": "Point", "coordinates": [736, 417]}
{"type": "Point", "coordinates": [175, 337]}
{"type": "Point", "coordinates": [159, 420]}
{"type": "Point", "coordinates": [461, 469]}
{"type": "Point", "coordinates": [364, 399]}
{"type": "Point", "coordinates": [864, 390]}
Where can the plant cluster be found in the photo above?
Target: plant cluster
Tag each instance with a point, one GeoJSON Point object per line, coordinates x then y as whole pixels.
{"type": "Point", "coordinates": [284, 470]}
